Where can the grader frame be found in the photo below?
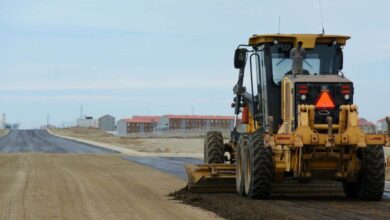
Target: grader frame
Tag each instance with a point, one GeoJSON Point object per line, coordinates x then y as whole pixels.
{"type": "Point", "coordinates": [315, 138]}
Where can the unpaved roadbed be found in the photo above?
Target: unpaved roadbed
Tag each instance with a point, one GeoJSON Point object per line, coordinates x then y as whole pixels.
{"type": "Point", "coordinates": [232, 206]}
{"type": "Point", "coordinates": [87, 186]}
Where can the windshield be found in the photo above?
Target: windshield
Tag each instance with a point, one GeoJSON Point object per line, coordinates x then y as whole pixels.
{"type": "Point", "coordinates": [318, 61]}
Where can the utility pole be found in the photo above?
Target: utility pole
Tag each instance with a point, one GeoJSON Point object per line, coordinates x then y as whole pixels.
{"type": "Point", "coordinates": [47, 120]}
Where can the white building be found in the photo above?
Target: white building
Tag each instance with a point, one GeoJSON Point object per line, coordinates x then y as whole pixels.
{"type": "Point", "coordinates": [88, 122]}
{"type": "Point", "coordinates": [121, 126]}
{"type": "Point", "coordinates": [381, 125]}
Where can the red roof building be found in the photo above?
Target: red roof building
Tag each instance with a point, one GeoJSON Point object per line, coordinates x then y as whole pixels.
{"type": "Point", "coordinates": [140, 123]}
{"type": "Point", "coordinates": [137, 124]}
{"type": "Point", "coordinates": [150, 118]}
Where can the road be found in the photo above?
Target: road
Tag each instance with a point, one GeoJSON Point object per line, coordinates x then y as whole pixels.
{"type": "Point", "coordinates": [172, 165]}
{"type": "Point", "coordinates": [24, 141]}
{"type": "Point", "coordinates": [45, 177]}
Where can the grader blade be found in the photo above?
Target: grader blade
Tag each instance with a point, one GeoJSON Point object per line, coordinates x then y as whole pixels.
{"type": "Point", "coordinates": [211, 178]}
{"type": "Point", "coordinates": [312, 187]}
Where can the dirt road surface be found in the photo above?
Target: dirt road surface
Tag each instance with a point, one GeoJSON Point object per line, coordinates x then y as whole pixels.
{"type": "Point", "coordinates": [85, 186]}
{"type": "Point", "coordinates": [46, 177]}
{"type": "Point", "coordinates": [309, 206]}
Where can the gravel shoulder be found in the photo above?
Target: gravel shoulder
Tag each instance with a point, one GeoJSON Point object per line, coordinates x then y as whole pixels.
{"type": "Point", "coordinates": [85, 186]}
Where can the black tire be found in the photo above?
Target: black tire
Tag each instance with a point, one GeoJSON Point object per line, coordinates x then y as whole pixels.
{"type": "Point", "coordinates": [371, 183]}
{"type": "Point", "coordinates": [242, 149]}
{"type": "Point", "coordinates": [214, 149]}
{"type": "Point", "coordinates": [260, 172]}
{"type": "Point", "coordinates": [349, 190]}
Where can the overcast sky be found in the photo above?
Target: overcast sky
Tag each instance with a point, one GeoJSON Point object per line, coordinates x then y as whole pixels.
{"type": "Point", "coordinates": [155, 57]}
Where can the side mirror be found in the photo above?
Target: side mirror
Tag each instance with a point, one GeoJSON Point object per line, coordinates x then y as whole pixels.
{"type": "Point", "coordinates": [240, 58]}
{"type": "Point", "coordinates": [341, 58]}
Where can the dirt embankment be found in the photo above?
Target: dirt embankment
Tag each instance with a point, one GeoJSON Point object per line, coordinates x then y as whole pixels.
{"type": "Point", "coordinates": [233, 206]}
{"type": "Point", "coordinates": [147, 145]}
{"type": "Point", "coordinates": [84, 186]}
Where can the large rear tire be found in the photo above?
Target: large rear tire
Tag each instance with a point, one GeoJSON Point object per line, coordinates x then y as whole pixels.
{"type": "Point", "coordinates": [371, 182]}
{"type": "Point", "coordinates": [242, 149]}
{"type": "Point", "coordinates": [214, 149]}
{"type": "Point", "coordinates": [260, 169]}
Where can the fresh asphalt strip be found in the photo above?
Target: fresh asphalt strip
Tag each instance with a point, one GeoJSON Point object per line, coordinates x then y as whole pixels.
{"type": "Point", "coordinates": [171, 165]}
{"type": "Point", "coordinates": [40, 141]}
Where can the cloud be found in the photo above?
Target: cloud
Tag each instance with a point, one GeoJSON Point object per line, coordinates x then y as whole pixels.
{"type": "Point", "coordinates": [60, 77]}
{"type": "Point", "coordinates": [118, 84]}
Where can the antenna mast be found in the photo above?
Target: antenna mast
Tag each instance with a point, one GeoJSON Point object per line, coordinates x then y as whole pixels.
{"type": "Point", "coordinates": [279, 25]}
{"type": "Point", "coordinates": [81, 111]}
{"type": "Point", "coordinates": [322, 17]}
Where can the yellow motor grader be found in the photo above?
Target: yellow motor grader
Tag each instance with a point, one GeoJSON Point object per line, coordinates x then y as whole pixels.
{"type": "Point", "coordinates": [298, 124]}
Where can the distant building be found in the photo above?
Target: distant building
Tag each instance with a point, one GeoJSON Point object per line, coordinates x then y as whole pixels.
{"type": "Point", "coordinates": [173, 122]}
{"type": "Point", "coordinates": [87, 122]}
{"type": "Point", "coordinates": [381, 125]}
{"type": "Point", "coordinates": [367, 126]}
{"type": "Point", "coordinates": [2, 121]}
{"type": "Point", "coordinates": [107, 123]}
{"type": "Point", "coordinates": [137, 124]}
{"type": "Point", "coordinates": [121, 126]}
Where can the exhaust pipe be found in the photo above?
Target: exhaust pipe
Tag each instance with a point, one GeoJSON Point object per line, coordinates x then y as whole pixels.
{"type": "Point", "coordinates": [388, 131]}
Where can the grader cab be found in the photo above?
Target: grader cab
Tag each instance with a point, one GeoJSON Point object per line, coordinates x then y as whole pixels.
{"type": "Point", "coordinates": [298, 124]}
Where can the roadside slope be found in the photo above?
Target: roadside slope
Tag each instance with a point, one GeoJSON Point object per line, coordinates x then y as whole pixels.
{"type": "Point", "coordinates": [85, 186]}
{"type": "Point", "coordinates": [150, 147]}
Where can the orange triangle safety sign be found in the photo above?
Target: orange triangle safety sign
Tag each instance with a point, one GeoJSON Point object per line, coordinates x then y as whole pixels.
{"type": "Point", "coordinates": [325, 101]}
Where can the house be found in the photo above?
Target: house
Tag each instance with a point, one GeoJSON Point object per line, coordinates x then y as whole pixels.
{"type": "Point", "coordinates": [137, 124]}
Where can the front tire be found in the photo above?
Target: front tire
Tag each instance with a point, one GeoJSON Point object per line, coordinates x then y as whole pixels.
{"type": "Point", "coordinates": [260, 170]}
{"type": "Point", "coordinates": [371, 182]}
{"type": "Point", "coordinates": [214, 149]}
